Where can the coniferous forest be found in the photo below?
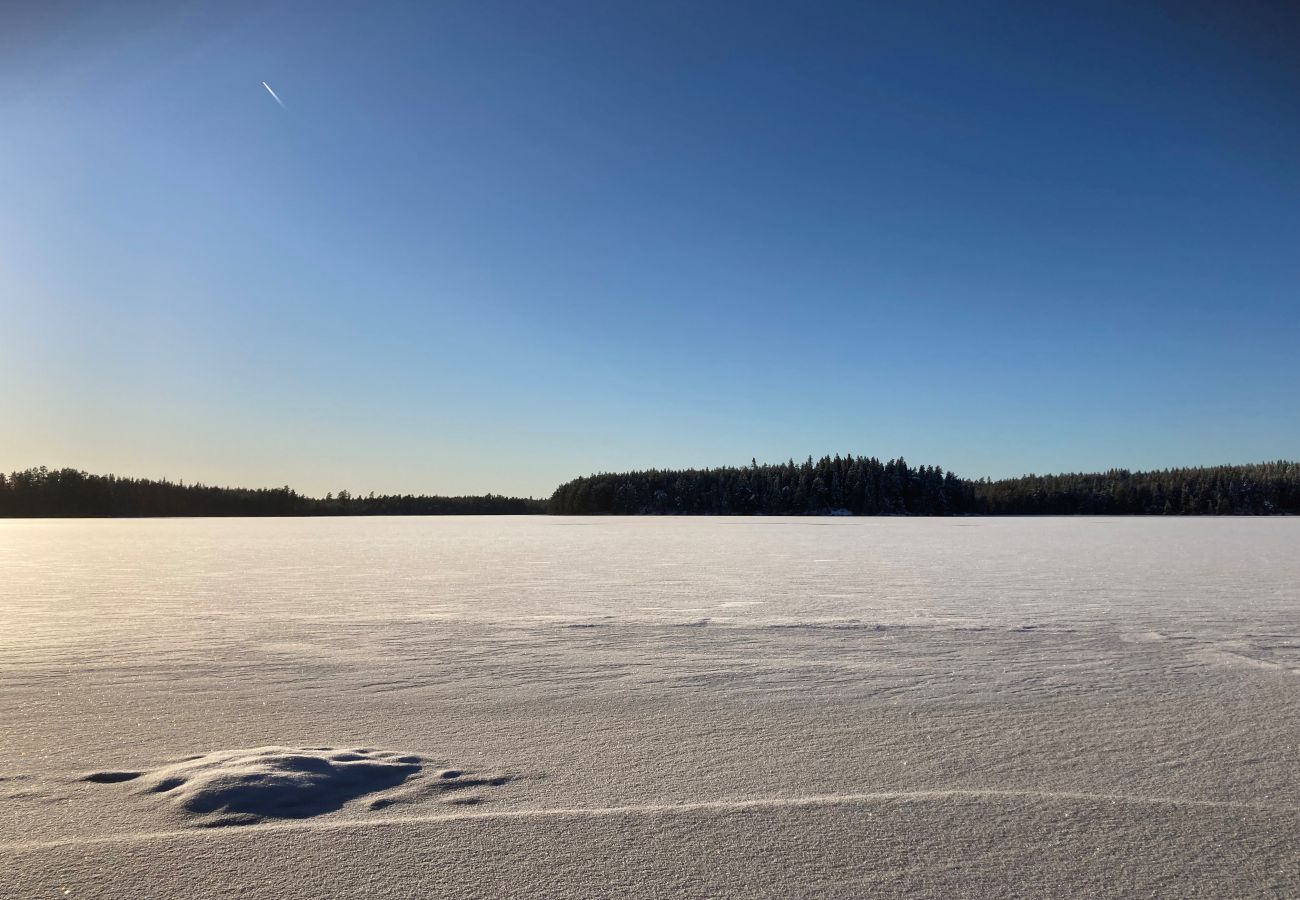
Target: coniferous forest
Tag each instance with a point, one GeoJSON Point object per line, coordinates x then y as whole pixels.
{"type": "Point", "coordinates": [843, 485]}
{"type": "Point", "coordinates": [69, 492]}
{"type": "Point", "coordinates": [859, 485]}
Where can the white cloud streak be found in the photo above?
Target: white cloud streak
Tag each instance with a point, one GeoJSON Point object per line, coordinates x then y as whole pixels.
{"type": "Point", "coordinates": [274, 95]}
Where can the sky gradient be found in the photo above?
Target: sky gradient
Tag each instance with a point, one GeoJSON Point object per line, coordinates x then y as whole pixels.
{"type": "Point", "coordinates": [490, 246]}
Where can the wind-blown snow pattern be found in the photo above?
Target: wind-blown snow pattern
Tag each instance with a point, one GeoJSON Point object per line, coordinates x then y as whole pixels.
{"type": "Point", "coordinates": [552, 707]}
{"type": "Point", "coordinates": [246, 787]}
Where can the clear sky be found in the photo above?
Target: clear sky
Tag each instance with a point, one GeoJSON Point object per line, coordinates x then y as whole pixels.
{"type": "Point", "coordinates": [489, 246]}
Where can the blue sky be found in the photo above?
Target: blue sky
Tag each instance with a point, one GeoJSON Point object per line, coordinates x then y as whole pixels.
{"type": "Point", "coordinates": [489, 246]}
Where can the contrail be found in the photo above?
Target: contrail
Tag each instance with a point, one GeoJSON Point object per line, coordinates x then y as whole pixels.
{"type": "Point", "coordinates": [274, 94]}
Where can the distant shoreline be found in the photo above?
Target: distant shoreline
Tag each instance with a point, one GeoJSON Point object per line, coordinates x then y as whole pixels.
{"type": "Point", "coordinates": [867, 486]}
{"type": "Point", "coordinates": [829, 487]}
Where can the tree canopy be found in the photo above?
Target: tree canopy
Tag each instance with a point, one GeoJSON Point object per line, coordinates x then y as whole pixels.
{"type": "Point", "coordinates": [845, 485]}
{"type": "Point", "coordinates": [69, 492]}
{"type": "Point", "coordinates": [860, 485]}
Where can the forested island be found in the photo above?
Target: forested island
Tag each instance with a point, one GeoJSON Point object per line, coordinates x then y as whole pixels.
{"type": "Point", "coordinates": [865, 486]}
{"type": "Point", "coordinates": [839, 485]}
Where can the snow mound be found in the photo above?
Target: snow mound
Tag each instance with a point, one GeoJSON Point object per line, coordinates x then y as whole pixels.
{"type": "Point", "coordinates": [232, 787]}
{"type": "Point", "coordinates": [244, 787]}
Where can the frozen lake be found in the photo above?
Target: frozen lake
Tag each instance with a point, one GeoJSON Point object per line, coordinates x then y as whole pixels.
{"type": "Point", "coordinates": [84, 581]}
{"type": "Point", "coordinates": [1006, 693]}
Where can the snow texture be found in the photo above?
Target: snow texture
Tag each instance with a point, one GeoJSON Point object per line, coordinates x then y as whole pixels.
{"type": "Point", "coordinates": [643, 708]}
{"type": "Point", "coordinates": [243, 787]}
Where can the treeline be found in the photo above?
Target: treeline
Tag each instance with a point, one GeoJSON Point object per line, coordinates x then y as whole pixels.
{"type": "Point", "coordinates": [855, 485]}
{"type": "Point", "coordinates": [344, 504]}
{"type": "Point", "coordinates": [846, 485]}
{"type": "Point", "coordinates": [71, 493]}
{"type": "Point", "coordinates": [1256, 490]}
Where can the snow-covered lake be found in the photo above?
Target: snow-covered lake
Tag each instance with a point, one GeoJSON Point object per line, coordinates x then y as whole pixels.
{"type": "Point", "coordinates": [650, 687]}
{"type": "Point", "coordinates": [74, 581]}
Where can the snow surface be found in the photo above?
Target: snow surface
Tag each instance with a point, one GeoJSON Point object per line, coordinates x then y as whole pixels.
{"type": "Point", "coordinates": [245, 787]}
{"type": "Point", "coordinates": [765, 707]}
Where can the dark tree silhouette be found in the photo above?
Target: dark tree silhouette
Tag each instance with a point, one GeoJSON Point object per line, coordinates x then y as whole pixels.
{"type": "Point", "coordinates": [848, 485]}
{"type": "Point", "coordinates": [72, 493]}
{"type": "Point", "coordinates": [1257, 489]}
{"type": "Point", "coordinates": [865, 486]}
